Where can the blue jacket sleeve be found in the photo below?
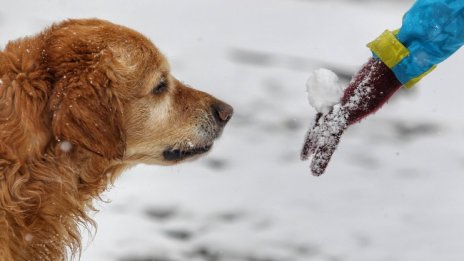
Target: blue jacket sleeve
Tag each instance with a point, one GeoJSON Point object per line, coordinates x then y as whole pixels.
{"type": "Point", "coordinates": [432, 30]}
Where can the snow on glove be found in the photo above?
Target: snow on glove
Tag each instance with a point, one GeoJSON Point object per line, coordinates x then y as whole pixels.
{"type": "Point", "coordinates": [432, 30]}
{"type": "Point", "coordinates": [369, 89]}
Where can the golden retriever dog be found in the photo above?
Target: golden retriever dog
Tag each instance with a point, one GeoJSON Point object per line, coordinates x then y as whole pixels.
{"type": "Point", "coordinates": [79, 103]}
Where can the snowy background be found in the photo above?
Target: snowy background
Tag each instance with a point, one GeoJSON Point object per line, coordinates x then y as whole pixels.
{"type": "Point", "coordinates": [393, 191]}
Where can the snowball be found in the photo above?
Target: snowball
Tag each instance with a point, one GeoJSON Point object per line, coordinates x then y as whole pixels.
{"type": "Point", "coordinates": [324, 90]}
{"type": "Point", "coordinates": [65, 146]}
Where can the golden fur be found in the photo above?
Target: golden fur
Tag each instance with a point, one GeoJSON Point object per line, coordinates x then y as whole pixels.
{"type": "Point", "coordinates": [79, 103]}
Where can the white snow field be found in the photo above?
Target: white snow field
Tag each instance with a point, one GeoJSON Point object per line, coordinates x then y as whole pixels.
{"type": "Point", "coordinates": [394, 190]}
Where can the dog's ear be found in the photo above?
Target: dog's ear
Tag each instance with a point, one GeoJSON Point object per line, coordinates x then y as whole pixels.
{"type": "Point", "coordinates": [87, 113]}
{"type": "Point", "coordinates": [90, 69]}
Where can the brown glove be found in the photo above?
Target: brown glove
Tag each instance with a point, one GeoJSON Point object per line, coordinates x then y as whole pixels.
{"type": "Point", "coordinates": [369, 89]}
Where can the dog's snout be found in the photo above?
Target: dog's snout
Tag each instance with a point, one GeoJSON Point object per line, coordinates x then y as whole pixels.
{"type": "Point", "coordinates": [222, 112]}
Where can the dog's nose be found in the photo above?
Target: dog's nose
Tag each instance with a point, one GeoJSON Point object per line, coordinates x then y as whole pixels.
{"type": "Point", "coordinates": [222, 112]}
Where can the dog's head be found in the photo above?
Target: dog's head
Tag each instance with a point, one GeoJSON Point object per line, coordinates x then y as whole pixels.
{"type": "Point", "coordinates": [113, 94]}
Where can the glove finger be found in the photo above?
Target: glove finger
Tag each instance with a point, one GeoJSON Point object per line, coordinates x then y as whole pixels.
{"type": "Point", "coordinates": [309, 145]}
{"type": "Point", "coordinates": [323, 154]}
{"type": "Point", "coordinates": [321, 160]}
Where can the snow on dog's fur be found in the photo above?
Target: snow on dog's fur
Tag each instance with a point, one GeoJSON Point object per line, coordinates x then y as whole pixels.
{"type": "Point", "coordinates": [79, 103]}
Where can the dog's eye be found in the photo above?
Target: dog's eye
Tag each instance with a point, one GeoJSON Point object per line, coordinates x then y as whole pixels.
{"type": "Point", "coordinates": [161, 87]}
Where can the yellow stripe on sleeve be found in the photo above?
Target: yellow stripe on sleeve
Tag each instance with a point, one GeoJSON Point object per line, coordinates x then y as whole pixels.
{"type": "Point", "coordinates": [388, 49]}
{"type": "Point", "coordinates": [413, 81]}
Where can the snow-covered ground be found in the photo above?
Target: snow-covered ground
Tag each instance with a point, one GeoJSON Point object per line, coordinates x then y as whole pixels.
{"type": "Point", "coordinates": [393, 191]}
